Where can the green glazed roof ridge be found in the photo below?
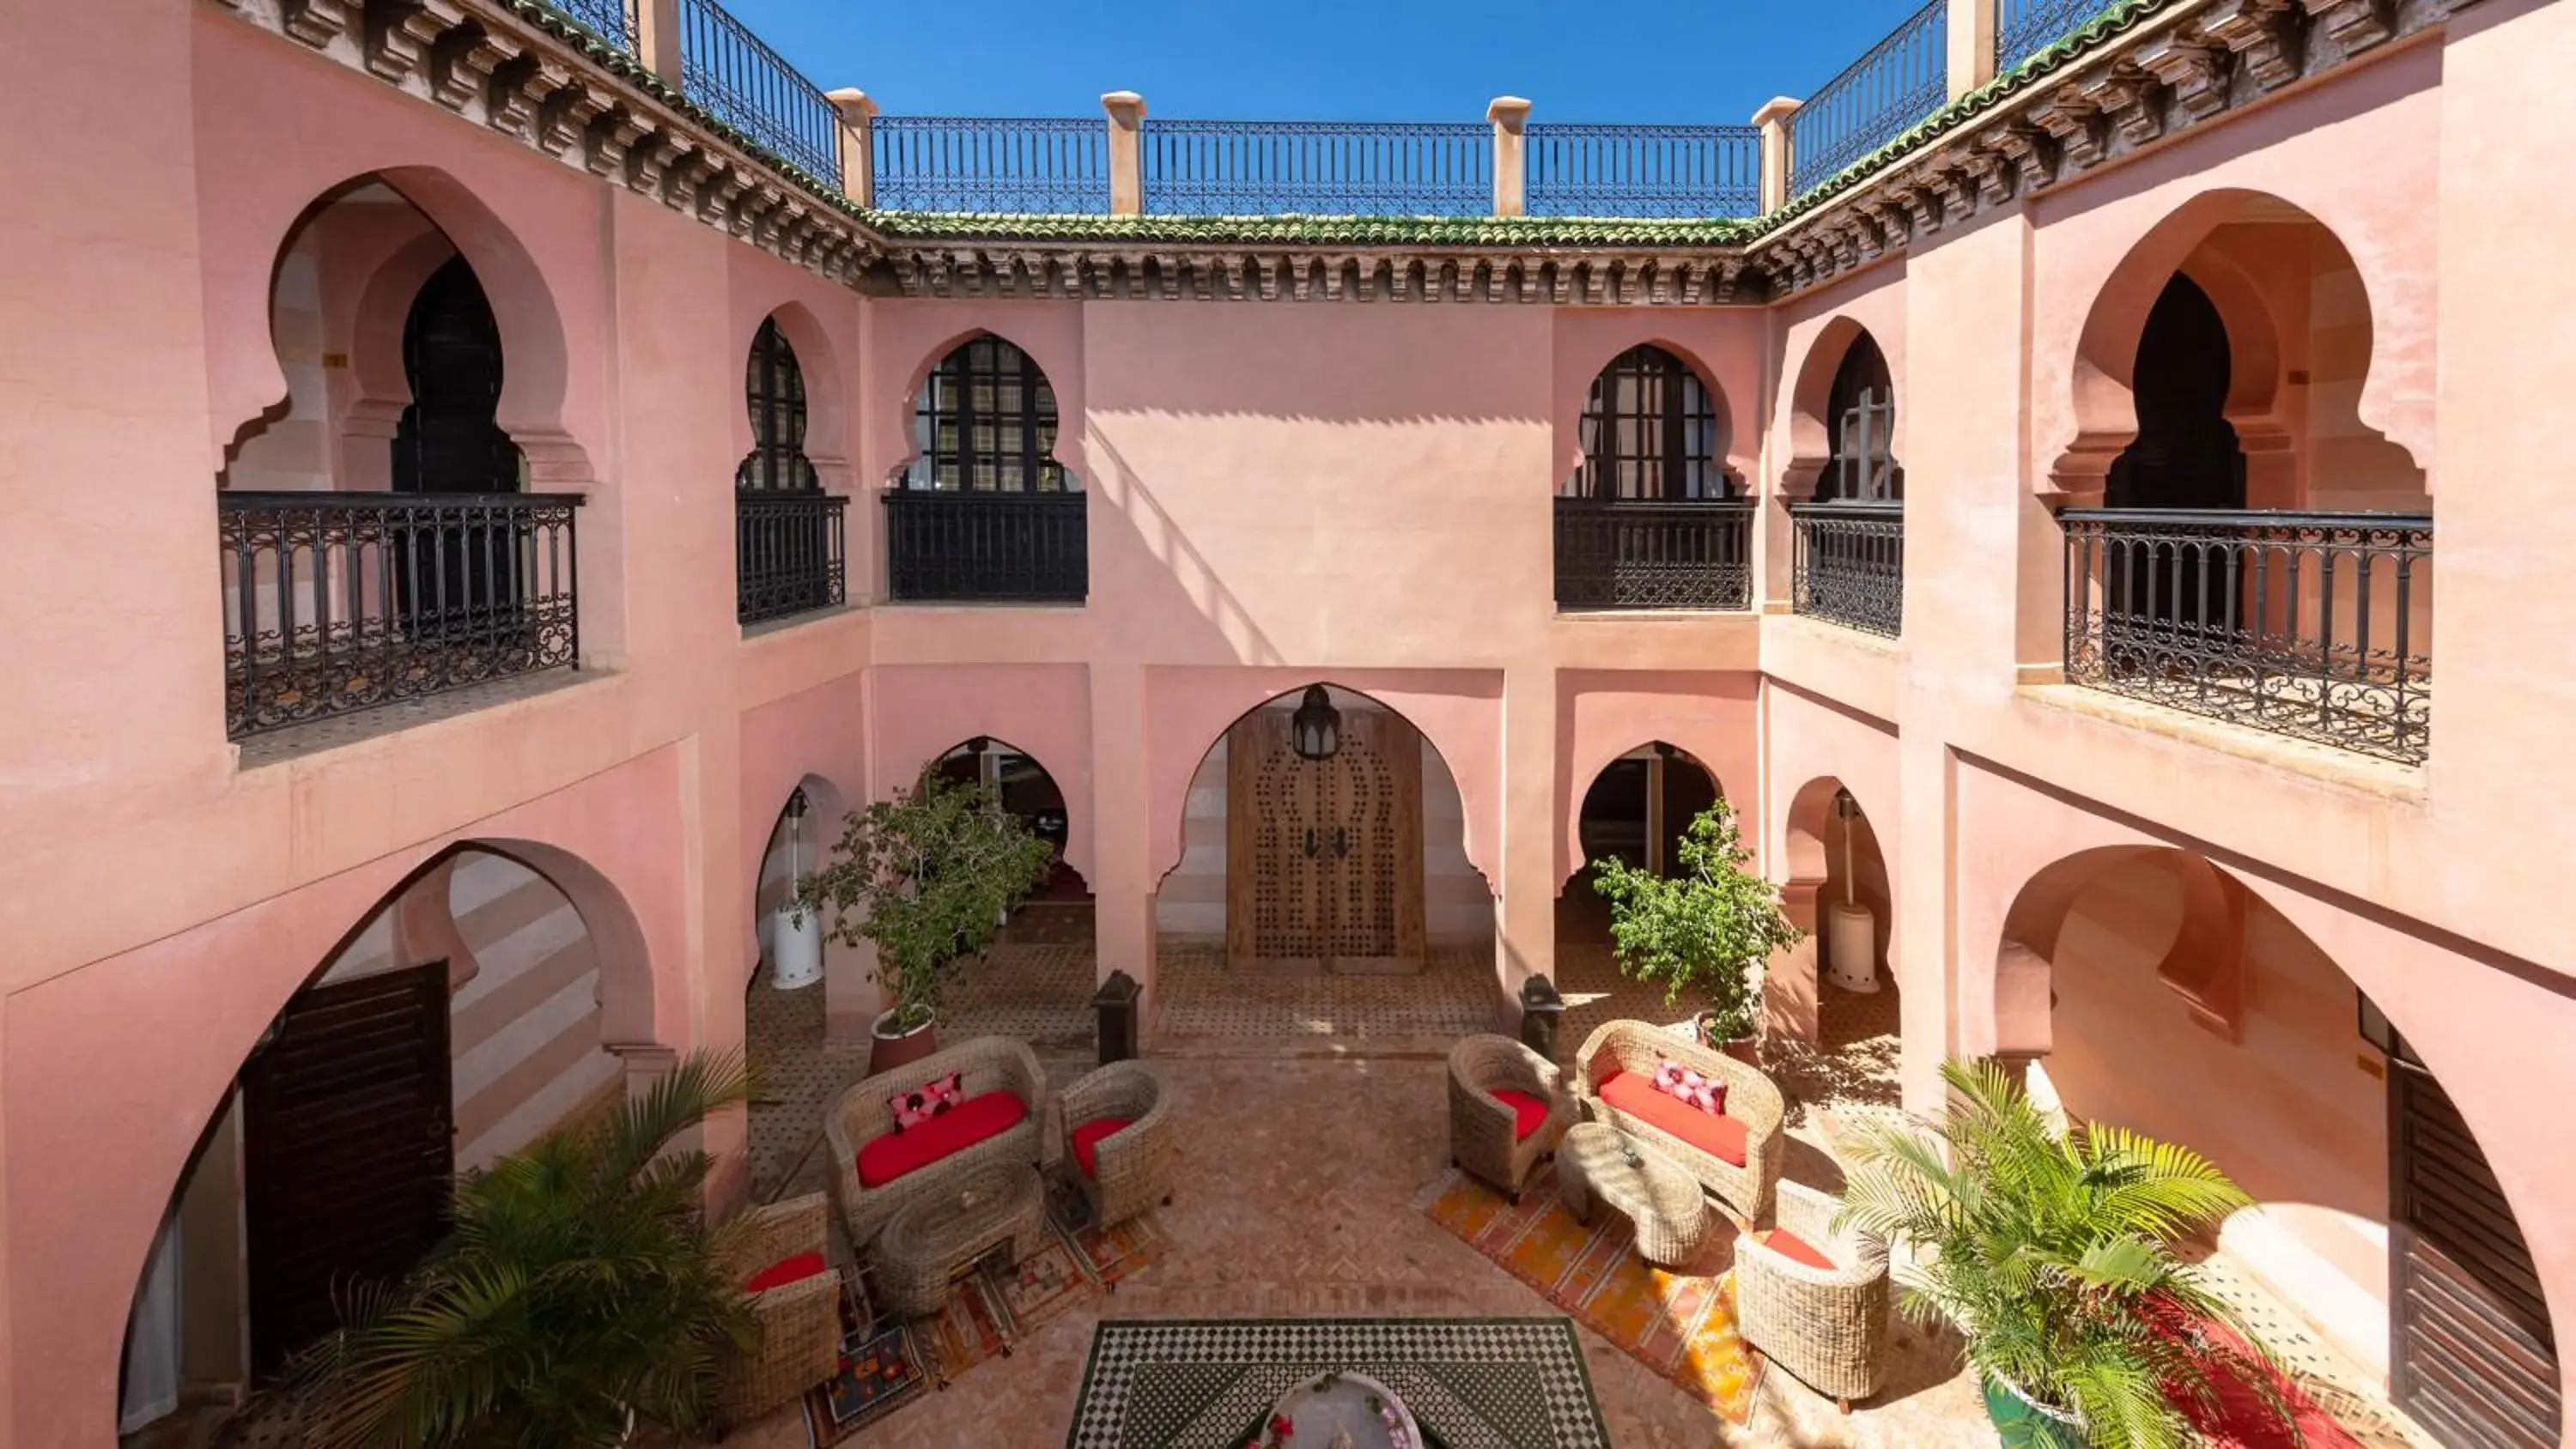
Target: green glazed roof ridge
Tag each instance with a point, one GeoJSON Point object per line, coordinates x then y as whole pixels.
{"type": "Point", "coordinates": [2119, 16]}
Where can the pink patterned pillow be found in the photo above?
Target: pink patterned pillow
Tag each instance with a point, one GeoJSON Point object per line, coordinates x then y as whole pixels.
{"type": "Point", "coordinates": [926, 1101]}
{"type": "Point", "coordinates": [1687, 1085]}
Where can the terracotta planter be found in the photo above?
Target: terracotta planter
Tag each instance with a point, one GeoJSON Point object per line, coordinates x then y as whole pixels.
{"type": "Point", "coordinates": [2021, 1425]}
{"type": "Point", "coordinates": [1745, 1049]}
{"type": "Point", "coordinates": [889, 1049]}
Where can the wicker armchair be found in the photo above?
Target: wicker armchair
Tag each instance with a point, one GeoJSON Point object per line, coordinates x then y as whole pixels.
{"type": "Point", "coordinates": [1823, 1325]}
{"type": "Point", "coordinates": [1134, 1165]}
{"type": "Point", "coordinates": [800, 1322]}
{"type": "Point", "coordinates": [1751, 1099]}
{"type": "Point", "coordinates": [1484, 1136]}
{"type": "Point", "coordinates": [988, 1063]}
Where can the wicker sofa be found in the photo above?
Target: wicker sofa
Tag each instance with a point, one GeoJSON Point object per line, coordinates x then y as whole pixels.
{"type": "Point", "coordinates": [876, 1169]}
{"type": "Point", "coordinates": [1822, 1324]}
{"type": "Point", "coordinates": [1122, 1139]}
{"type": "Point", "coordinates": [1736, 1156]}
{"type": "Point", "coordinates": [1504, 1139]}
{"type": "Point", "coordinates": [799, 1312]}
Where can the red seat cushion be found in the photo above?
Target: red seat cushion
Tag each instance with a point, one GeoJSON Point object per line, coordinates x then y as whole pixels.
{"type": "Point", "coordinates": [1086, 1141]}
{"type": "Point", "coordinates": [886, 1158]}
{"type": "Point", "coordinates": [1634, 1093]}
{"type": "Point", "coordinates": [1796, 1249]}
{"type": "Point", "coordinates": [784, 1272]}
{"type": "Point", "coordinates": [1528, 1113]}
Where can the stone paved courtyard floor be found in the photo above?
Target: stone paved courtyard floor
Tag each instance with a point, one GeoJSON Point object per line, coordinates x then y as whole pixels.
{"type": "Point", "coordinates": [1313, 1114]}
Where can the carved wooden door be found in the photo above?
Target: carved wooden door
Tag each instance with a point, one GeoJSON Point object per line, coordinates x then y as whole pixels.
{"type": "Point", "coordinates": [1325, 856]}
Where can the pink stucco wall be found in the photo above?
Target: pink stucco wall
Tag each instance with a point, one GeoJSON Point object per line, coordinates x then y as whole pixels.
{"type": "Point", "coordinates": [1280, 494]}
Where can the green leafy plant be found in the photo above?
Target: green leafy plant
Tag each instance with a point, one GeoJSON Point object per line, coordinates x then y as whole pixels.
{"type": "Point", "coordinates": [927, 876]}
{"type": "Point", "coordinates": [1705, 927]}
{"type": "Point", "coordinates": [578, 1291]}
{"type": "Point", "coordinates": [2052, 1255]}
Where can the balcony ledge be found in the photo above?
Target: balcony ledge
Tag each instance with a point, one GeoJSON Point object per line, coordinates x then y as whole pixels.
{"type": "Point", "coordinates": [2399, 784]}
{"type": "Point", "coordinates": [306, 742]}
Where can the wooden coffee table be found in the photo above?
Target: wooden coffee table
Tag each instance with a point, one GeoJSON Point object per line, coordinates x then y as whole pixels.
{"type": "Point", "coordinates": [1598, 1163]}
{"type": "Point", "coordinates": [927, 1243]}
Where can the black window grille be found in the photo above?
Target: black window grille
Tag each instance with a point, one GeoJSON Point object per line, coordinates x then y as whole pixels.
{"type": "Point", "coordinates": [986, 423]}
{"type": "Point", "coordinates": [1863, 404]}
{"type": "Point", "coordinates": [774, 387]}
{"type": "Point", "coordinates": [1650, 431]}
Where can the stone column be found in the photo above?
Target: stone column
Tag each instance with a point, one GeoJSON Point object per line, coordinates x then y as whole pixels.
{"type": "Point", "coordinates": [1773, 118]}
{"type": "Point", "coordinates": [1789, 992]}
{"type": "Point", "coordinates": [858, 145]}
{"type": "Point", "coordinates": [1122, 881]}
{"type": "Point", "coordinates": [1511, 171]}
{"type": "Point", "coordinates": [1126, 153]}
{"type": "Point", "coordinates": [1971, 44]}
{"type": "Point", "coordinates": [657, 38]}
{"type": "Point", "coordinates": [1533, 814]}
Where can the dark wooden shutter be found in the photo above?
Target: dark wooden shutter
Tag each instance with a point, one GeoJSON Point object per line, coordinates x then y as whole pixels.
{"type": "Point", "coordinates": [347, 1150]}
{"type": "Point", "coordinates": [2472, 1356]}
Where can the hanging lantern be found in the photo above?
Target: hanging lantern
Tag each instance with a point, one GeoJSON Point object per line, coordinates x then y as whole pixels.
{"type": "Point", "coordinates": [1316, 728]}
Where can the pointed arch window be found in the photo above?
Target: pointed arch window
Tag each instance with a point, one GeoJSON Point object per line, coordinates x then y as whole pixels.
{"type": "Point", "coordinates": [985, 422]}
{"type": "Point", "coordinates": [1650, 430]}
{"type": "Point", "coordinates": [774, 388]}
{"type": "Point", "coordinates": [1863, 468]}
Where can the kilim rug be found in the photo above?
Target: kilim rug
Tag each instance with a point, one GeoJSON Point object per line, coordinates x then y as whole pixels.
{"type": "Point", "coordinates": [1472, 1383]}
{"type": "Point", "coordinates": [1680, 1324]}
{"type": "Point", "coordinates": [883, 1361]}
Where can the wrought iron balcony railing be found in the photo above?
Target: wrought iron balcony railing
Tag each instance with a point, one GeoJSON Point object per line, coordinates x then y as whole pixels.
{"type": "Point", "coordinates": [788, 554]}
{"type": "Point", "coordinates": [1901, 80]}
{"type": "Point", "coordinates": [337, 602]}
{"type": "Point", "coordinates": [1622, 553]}
{"type": "Point", "coordinates": [977, 546]}
{"type": "Point", "coordinates": [2313, 625]}
{"type": "Point", "coordinates": [1849, 564]}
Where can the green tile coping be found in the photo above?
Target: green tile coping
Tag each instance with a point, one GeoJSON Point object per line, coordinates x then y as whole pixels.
{"type": "Point", "coordinates": [2114, 20]}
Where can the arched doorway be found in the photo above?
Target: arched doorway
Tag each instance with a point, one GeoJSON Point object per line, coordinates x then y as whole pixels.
{"type": "Point", "coordinates": [1862, 408]}
{"type": "Point", "coordinates": [1024, 787]}
{"type": "Point", "coordinates": [2148, 988]}
{"type": "Point", "coordinates": [1650, 516]}
{"type": "Point", "coordinates": [463, 1017]}
{"type": "Point", "coordinates": [2262, 555]}
{"type": "Point", "coordinates": [448, 439]}
{"type": "Point", "coordinates": [1838, 889]}
{"type": "Point", "coordinates": [984, 509]}
{"type": "Point", "coordinates": [1634, 810]}
{"type": "Point", "coordinates": [788, 554]}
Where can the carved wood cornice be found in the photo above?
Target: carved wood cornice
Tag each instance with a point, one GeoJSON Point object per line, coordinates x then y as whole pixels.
{"type": "Point", "coordinates": [2179, 67]}
{"type": "Point", "coordinates": [2169, 68]}
{"type": "Point", "coordinates": [544, 85]}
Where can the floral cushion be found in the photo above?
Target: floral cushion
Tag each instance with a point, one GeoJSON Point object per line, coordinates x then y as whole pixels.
{"type": "Point", "coordinates": [1690, 1087]}
{"type": "Point", "coordinates": [926, 1101]}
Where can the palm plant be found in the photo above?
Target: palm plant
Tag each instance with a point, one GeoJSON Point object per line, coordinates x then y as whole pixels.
{"type": "Point", "coordinates": [578, 1290]}
{"type": "Point", "coordinates": [2052, 1255]}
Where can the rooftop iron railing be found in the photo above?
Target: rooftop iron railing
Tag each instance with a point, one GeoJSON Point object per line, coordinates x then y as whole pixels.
{"type": "Point", "coordinates": [1681, 171]}
{"type": "Point", "coordinates": [743, 83]}
{"type": "Point", "coordinates": [2024, 28]}
{"type": "Point", "coordinates": [613, 20]}
{"type": "Point", "coordinates": [2313, 625]}
{"type": "Point", "coordinates": [338, 602]}
{"type": "Point", "coordinates": [1031, 166]}
{"type": "Point", "coordinates": [1901, 80]}
{"type": "Point", "coordinates": [1322, 168]}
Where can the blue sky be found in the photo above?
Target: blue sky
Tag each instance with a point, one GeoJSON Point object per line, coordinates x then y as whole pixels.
{"type": "Point", "coordinates": [1361, 60]}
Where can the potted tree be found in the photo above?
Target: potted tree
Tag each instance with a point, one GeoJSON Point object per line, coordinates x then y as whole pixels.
{"type": "Point", "coordinates": [928, 876]}
{"type": "Point", "coordinates": [578, 1291]}
{"type": "Point", "coordinates": [1707, 927]}
{"type": "Point", "coordinates": [2053, 1256]}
